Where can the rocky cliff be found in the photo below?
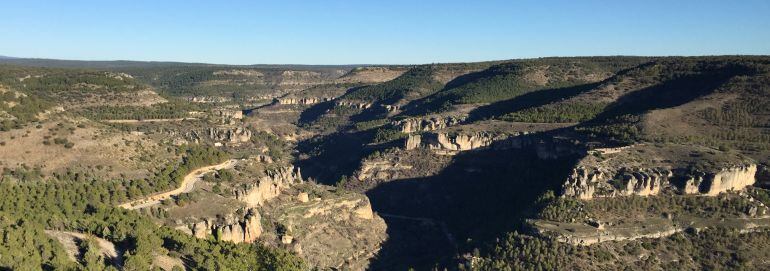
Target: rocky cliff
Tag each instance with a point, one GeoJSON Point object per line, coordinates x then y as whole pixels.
{"type": "Point", "coordinates": [268, 186]}
{"type": "Point", "coordinates": [302, 101]}
{"type": "Point", "coordinates": [452, 141]}
{"type": "Point", "coordinates": [220, 134]}
{"type": "Point", "coordinates": [413, 125]}
{"type": "Point", "coordinates": [331, 229]}
{"type": "Point", "coordinates": [244, 230]}
{"type": "Point", "coordinates": [624, 172]}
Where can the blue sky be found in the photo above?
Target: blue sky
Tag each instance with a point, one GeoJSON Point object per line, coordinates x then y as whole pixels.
{"type": "Point", "coordinates": [377, 32]}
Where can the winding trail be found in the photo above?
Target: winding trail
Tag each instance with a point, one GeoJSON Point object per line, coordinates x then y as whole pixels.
{"type": "Point", "coordinates": [187, 185]}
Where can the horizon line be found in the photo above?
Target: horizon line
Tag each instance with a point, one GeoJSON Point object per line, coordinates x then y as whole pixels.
{"type": "Point", "coordinates": [6, 57]}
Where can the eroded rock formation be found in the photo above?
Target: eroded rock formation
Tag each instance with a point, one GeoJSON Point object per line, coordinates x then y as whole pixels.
{"type": "Point", "coordinates": [244, 230]}
{"type": "Point", "coordinates": [268, 186]}
{"type": "Point", "coordinates": [589, 182]}
{"type": "Point", "coordinates": [220, 134]}
{"type": "Point", "coordinates": [453, 141]}
{"type": "Point", "coordinates": [426, 124]}
{"type": "Point", "coordinates": [301, 101]}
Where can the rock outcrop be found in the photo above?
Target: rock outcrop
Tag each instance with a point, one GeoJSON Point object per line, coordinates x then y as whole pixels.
{"type": "Point", "coordinates": [301, 101]}
{"type": "Point", "coordinates": [651, 169]}
{"type": "Point", "coordinates": [245, 230]}
{"type": "Point", "coordinates": [452, 141]}
{"type": "Point", "coordinates": [726, 179]}
{"type": "Point", "coordinates": [426, 124]}
{"type": "Point", "coordinates": [589, 182]}
{"type": "Point", "coordinates": [381, 170]}
{"type": "Point", "coordinates": [268, 186]}
{"type": "Point", "coordinates": [220, 134]}
{"type": "Point", "coordinates": [353, 104]}
{"type": "Point", "coordinates": [227, 115]}
{"type": "Point", "coordinates": [333, 230]}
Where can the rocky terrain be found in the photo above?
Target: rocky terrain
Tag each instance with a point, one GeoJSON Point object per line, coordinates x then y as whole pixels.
{"type": "Point", "coordinates": [589, 163]}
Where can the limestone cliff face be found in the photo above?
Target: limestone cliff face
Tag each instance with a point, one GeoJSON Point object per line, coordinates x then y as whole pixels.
{"type": "Point", "coordinates": [651, 169]}
{"type": "Point", "coordinates": [244, 230]}
{"type": "Point", "coordinates": [589, 182]}
{"type": "Point", "coordinates": [726, 179]}
{"type": "Point", "coordinates": [220, 134]}
{"type": "Point", "coordinates": [426, 124]}
{"type": "Point", "coordinates": [269, 186]}
{"type": "Point", "coordinates": [453, 141]}
{"type": "Point", "coordinates": [301, 101]}
{"type": "Point", "coordinates": [332, 229]}
{"type": "Point", "coordinates": [463, 142]}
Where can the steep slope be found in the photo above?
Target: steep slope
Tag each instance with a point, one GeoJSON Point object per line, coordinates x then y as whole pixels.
{"type": "Point", "coordinates": [508, 80]}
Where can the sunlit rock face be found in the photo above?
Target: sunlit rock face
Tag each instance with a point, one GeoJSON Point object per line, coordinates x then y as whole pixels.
{"type": "Point", "coordinates": [426, 124]}
{"type": "Point", "coordinates": [243, 230]}
{"type": "Point", "coordinates": [269, 186]}
{"type": "Point", "coordinates": [587, 183]}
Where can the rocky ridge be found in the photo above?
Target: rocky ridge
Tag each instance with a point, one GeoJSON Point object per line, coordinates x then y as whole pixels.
{"type": "Point", "coordinates": [619, 172]}
{"type": "Point", "coordinates": [237, 230]}
{"type": "Point", "coordinates": [268, 186]}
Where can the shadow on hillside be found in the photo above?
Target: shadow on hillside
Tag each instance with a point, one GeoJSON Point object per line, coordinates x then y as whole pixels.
{"type": "Point", "coordinates": [542, 97]}
{"type": "Point", "coordinates": [481, 196]}
{"type": "Point", "coordinates": [434, 102]}
{"type": "Point", "coordinates": [333, 156]}
{"type": "Point", "coordinates": [528, 100]}
{"type": "Point", "coordinates": [671, 93]}
{"type": "Point", "coordinates": [314, 112]}
{"type": "Point", "coordinates": [337, 155]}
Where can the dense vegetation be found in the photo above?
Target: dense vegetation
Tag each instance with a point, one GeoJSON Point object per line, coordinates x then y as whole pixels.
{"type": "Point", "coordinates": [557, 113]}
{"type": "Point", "coordinates": [416, 82]}
{"type": "Point", "coordinates": [71, 202]}
{"type": "Point", "coordinates": [509, 80]}
{"type": "Point", "coordinates": [170, 110]}
{"type": "Point", "coordinates": [240, 83]}
{"type": "Point", "coordinates": [714, 249]}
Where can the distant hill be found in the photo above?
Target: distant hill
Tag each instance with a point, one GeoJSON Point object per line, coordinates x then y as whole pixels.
{"type": "Point", "coordinates": [124, 64]}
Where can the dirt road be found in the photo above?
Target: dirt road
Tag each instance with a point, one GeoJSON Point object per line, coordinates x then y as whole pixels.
{"type": "Point", "coordinates": [187, 185]}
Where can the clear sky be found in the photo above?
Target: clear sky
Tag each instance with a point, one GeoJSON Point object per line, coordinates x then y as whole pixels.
{"type": "Point", "coordinates": [378, 32]}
